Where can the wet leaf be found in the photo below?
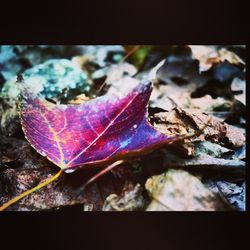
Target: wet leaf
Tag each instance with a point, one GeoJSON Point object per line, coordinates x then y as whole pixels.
{"type": "Point", "coordinates": [101, 130]}
{"type": "Point", "coordinates": [177, 190]}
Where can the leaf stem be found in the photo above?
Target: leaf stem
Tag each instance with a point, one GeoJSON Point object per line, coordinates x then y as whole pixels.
{"type": "Point", "coordinates": [24, 194]}
{"type": "Point", "coordinates": [104, 171]}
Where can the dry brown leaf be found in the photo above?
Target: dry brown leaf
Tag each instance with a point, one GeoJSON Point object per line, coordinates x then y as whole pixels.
{"type": "Point", "coordinates": [208, 55]}
{"type": "Point", "coordinates": [187, 121]}
{"type": "Point", "coordinates": [177, 190]}
{"type": "Point", "coordinates": [82, 60]}
{"type": "Point", "coordinates": [169, 96]}
{"type": "Point", "coordinates": [239, 85]}
{"type": "Point", "coordinates": [79, 99]}
{"type": "Point", "coordinates": [129, 200]}
{"type": "Point", "coordinates": [208, 104]}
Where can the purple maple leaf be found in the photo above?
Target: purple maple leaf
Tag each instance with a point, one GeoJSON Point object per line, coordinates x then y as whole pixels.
{"type": "Point", "coordinates": [101, 130]}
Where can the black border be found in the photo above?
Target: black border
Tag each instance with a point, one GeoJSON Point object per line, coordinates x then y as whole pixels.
{"type": "Point", "coordinates": [114, 22]}
{"type": "Point", "coordinates": [132, 230]}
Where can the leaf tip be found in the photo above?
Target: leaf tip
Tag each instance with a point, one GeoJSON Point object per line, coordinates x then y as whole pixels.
{"type": "Point", "coordinates": [144, 86]}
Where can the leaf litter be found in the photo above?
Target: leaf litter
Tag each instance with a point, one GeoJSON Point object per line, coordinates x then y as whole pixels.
{"type": "Point", "coordinates": [181, 89]}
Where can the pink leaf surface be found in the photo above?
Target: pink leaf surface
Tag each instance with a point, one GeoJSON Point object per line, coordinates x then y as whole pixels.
{"type": "Point", "coordinates": [101, 130]}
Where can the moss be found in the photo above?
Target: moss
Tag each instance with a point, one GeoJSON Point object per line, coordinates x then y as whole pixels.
{"type": "Point", "coordinates": [50, 78]}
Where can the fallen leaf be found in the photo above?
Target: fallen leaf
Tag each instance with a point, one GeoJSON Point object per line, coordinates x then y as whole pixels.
{"type": "Point", "coordinates": [116, 72]}
{"type": "Point", "coordinates": [209, 55]}
{"type": "Point", "coordinates": [209, 104]}
{"type": "Point", "coordinates": [225, 72]}
{"type": "Point", "coordinates": [235, 136]}
{"type": "Point", "coordinates": [99, 131]}
{"type": "Point", "coordinates": [169, 96]}
{"type": "Point", "coordinates": [205, 54]}
{"type": "Point", "coordinates": [130, 199]}
{"type": "Point", "coordinates": [233, 193]}
{"type": "Point", "coordinates": [177, 190]}
{"type": "Point", "coordinates": [185, 121]}
{"type": "Point", "coordinates": [120, 79]}
{"type": "Point", "coordinates": [10, 123]}
{"type": "Point", "coordinates": [226, 55]}
{"type": "Point", "coordinates": [79, 99]}
{"type": "Point", "coordinates": [205, 162]}
{"type": "Point", "coordinates": [240, 154]}
{"type": "Point", "coordinates": [238, 86]}
{"type": "Point", "coordinates": [210, 148]}
{"type": "Point", "coordinates": [59, 194]}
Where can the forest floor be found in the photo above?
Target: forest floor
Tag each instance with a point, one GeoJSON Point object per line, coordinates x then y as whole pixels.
{"type": "Point", "coordinates": [191, 86]}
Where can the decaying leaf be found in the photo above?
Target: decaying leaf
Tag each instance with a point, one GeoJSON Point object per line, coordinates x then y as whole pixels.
{"type": "Point", "coordinates": [234, 193]}
{"type": "Point", "coordinates": [184, 121]}
{"type": "Point", "coordinates": [79, 99]}
{"type": "Point", "coordinates": [177, 190]}
{"type": "Point", "coordinates": [210, 148]}
{"type": "Point", "coordinates": [120, 79]}
{"type": "Point", "coordinates": [169, 96]}
{"type": "Point", "coordinates": [116, 72]}
{"type": "Point", "coordinates": [10, 123]}
{"type": "Point", "coordinates": [240, 154]}
{"type": "Point", "coordinates": [204, 163]}
{"type": "Point", "coordinates": [239, 88]}
{"type": "Point", "coordinates": [179, 67]}
{"type": "Point", "coordinates": [209, 55]}
{"type": "Point", "coordinates": [59, 194]}
{"type": "Point", "coordinates": [130, 199]}
{"type": "Point", "coordinates": [207, 103]}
